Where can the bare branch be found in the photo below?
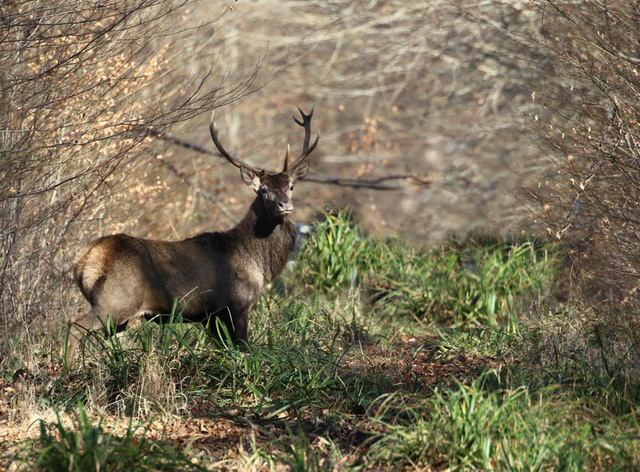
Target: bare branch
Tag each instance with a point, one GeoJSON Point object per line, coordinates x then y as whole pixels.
{"type": "Point", "coordinates": [372, 184]}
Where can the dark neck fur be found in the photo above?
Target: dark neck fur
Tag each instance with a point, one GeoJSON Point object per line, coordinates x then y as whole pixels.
{"type": "Point", "coordinates": [269, 242]}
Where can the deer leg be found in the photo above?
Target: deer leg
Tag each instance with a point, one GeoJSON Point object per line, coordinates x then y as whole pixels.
{"type": "Point", "coordinates": [236, 323]}
{"type": "Point", "coordinates": [92, 321]}
{"type": "Point", "coordinates": [241, 323]}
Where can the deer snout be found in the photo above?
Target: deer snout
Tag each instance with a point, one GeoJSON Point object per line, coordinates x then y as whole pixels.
{"type": "Point", "coordinates": [285, 206]}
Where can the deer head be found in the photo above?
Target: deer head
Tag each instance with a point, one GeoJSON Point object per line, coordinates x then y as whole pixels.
{"type": "Point", "coordinates": [275, 189]}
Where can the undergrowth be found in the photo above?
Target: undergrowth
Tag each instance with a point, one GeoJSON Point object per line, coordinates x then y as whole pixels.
{"type": "Point", "coordinates": [84, 445]}
{"type": "Point", "coordinates": [368, 354]}
{"type": "Point", "coordinates": [478, 281]}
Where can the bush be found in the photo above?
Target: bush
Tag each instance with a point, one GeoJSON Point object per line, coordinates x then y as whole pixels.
{"type": "Point", "coordinates": [588, 121]}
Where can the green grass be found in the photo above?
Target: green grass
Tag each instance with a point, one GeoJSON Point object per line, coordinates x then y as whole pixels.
{"type": "Point", "coordinates": [379, 354]}
{"type": "Point", "coordinates": [475, 427]}
{"type": "Point", "coordinates": [293, 365]}
{"type": "Point", "coordinates": [334, 253]}
{"type": "Point", "coordinates": [85, 446]}
{"type": "Point", "coordinates": [496, 342]}
{"type": "Point", "coordinates": [480, 281]}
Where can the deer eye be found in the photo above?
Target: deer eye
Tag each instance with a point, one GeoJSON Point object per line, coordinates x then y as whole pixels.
{"type": "Point", "coordinates": [291, 187]}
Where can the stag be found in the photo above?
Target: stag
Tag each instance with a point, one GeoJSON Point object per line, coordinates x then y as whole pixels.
{"type": "Point", "coordinates": [212, 275]}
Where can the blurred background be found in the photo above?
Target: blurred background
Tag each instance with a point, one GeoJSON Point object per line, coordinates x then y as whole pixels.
{"type": "Point", "coordinates": [420, 89]}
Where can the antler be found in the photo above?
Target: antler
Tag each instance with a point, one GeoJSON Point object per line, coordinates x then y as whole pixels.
{"type": "Point", "coordinates": [224, 153]}
{"type": "Point", "coordinates": [306, 149]}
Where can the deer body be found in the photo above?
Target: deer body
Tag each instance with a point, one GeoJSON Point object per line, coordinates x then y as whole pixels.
{"type": "Point", "coordinates": [218, 274]}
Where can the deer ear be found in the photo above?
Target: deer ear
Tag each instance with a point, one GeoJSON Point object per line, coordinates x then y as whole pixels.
{"type": "Point", "coordinates": [299, 170]}
{"type": "Point", "coordinates": [250, 179]}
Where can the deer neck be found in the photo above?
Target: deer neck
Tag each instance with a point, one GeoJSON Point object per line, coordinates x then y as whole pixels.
{"type": "Point", "coordinates": [269, 242]}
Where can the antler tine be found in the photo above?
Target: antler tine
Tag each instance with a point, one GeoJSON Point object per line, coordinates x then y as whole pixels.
{"type": "Point", "coordinates": [304, 117]}
{"type": "Point", "coordinates": [285, 168]}
{"type": "Point", "coordinates": [223, 151]}
{"type": "Point", "coordinates": [306, 124]}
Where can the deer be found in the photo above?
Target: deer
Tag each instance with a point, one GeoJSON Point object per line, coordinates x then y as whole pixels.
{"type": "Point", "coordinates": [217, 275]}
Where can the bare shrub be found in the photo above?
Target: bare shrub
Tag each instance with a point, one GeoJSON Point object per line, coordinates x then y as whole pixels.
{"type": "Point", "coordinates": [81, 85]}
{"type": "Point", "coordinates": [589, 118]}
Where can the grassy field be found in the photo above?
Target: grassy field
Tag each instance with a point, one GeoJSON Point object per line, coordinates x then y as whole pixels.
{"type": "Point", "coordinates": [366, 354]}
